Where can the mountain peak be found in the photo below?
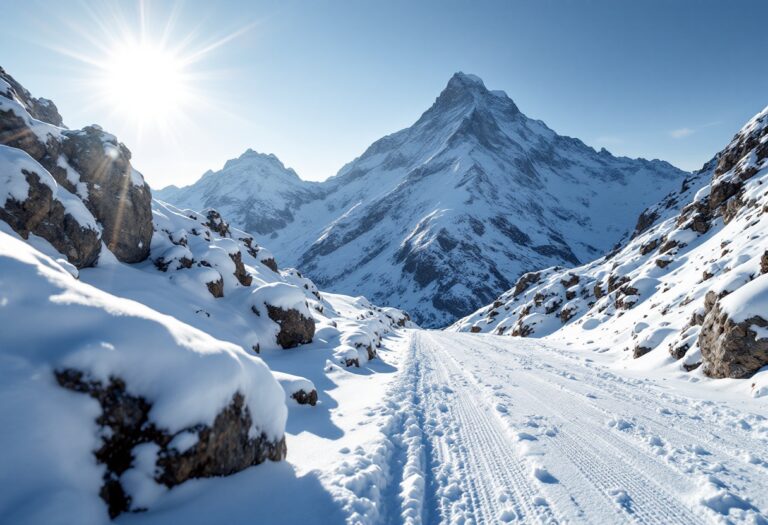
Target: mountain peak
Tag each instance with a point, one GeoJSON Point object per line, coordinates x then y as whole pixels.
{"type": "Point", "coordinates": [465, 90]}
{"type": "Point", "coordinates": [465, 81]}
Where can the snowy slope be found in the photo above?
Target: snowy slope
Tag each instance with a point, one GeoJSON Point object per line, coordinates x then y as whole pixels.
{"type": "Point", "coordinates": [688, 287]}
{"type": "Point", "coordinates": [124, 381]}
{"type": "Point", "coordinates": [440, 217]}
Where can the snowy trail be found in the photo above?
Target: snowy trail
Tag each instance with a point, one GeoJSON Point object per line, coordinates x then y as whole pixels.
{"type": "Point", "coordinates": [488, 429]}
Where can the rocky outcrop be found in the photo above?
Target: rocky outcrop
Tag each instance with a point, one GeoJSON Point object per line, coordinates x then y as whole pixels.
{"type": "Point", "coordinates": [43, 215]}
{"type": "Point", "coordinates": [117, 195]}
{"type": "Point", "coordinates": [295, 328]}
{"type": "Point", "coordinates": [304, 398]}
{"type": "Point", "coordinates": [219, 449]}
{"type": "Point", "coordinates": [90, 164]}
{"type": "Point", "coordinates": [731, 349]}
{"type": "Point", "coordinates": [39, 108]}
{"type": "Point", "coordinates": [216, 287]}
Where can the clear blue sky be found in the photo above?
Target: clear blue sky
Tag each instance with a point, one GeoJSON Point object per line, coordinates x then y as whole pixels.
{"type": "Point", "coordinates": [316, 82]}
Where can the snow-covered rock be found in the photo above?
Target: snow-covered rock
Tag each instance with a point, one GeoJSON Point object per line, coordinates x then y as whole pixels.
{"type": "Point", "coordinates": [690, 284]}
{"type": "Point", "coordinates": [149, 378]}
{"type": "Point", "coordinates": [93, 179]}
{"type": "Point", "coordinates": [439, 218]}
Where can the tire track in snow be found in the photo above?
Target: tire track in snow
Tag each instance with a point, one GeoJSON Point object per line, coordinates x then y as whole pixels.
{"type": "Point", "coordinates": [493, 476]}
{"type": "Point", "coordinates": [649, 485]}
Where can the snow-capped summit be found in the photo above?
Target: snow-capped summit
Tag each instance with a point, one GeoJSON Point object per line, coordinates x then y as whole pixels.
{"type": "Point", "coordinates": [255, 189]}
{"type": "Point", "coordinates": [440, 217]}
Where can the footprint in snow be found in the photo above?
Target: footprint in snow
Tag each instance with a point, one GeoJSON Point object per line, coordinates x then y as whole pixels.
{"type": "Point", "coordinates": [543, 475]}
{"type": "Point", "coordinates": [501, 408]}
{"type": "Point", "coordinates": [622, 499]}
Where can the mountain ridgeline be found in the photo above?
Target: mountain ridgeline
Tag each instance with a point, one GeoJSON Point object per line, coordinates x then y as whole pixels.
{"type": "Point", "coordinates": [440, 217]}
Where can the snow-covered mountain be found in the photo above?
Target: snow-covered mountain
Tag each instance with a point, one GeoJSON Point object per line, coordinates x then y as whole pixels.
{"type": "Point", "coordinates": [440, 217]}
{"type": "Point", "coordinates": [690, 289]}
{"type": "Point", "coordinates": [255, 191]}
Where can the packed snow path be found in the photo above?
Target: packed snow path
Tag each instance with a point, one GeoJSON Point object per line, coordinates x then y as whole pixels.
{"type": "Point", "coordinates": [489, 430]}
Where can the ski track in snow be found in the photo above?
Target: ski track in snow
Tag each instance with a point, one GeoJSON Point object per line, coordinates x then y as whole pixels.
{"type": "Point", "coordinates": [484, 429]}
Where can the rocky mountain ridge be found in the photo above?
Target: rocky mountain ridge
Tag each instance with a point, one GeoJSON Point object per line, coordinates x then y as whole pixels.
{"type": "Point", "coordinates": [689, 290]}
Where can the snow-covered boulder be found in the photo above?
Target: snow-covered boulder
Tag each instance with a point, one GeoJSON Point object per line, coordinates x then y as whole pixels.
{"type": "Point", "coordinates": [734, 336]}
{"type": "Point", "coordinates": [286, 305]}
{"type": "Point", "coordinates": [162, 401]}
{"type": "Point", "coordinates": [31, 202]}
{"type": "Point", "coordinates": [117, 195]}
{"type": "Point", "coordinates": [91, 165]}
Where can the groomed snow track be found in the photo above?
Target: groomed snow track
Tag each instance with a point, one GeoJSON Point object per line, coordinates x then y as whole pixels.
{"type": "Point", "coordinates": [488, 430]}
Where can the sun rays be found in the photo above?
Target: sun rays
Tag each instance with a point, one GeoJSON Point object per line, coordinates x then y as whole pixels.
{"type": "Point", "coordinates": [141, 69]}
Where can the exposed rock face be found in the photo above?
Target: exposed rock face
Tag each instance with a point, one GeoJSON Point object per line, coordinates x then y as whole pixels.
{"type": "Point", "coordinates": [91, 165]}
{"type": "Point", "coordinates": [764, 262]}
{"type": "Point", "coordinates": [39, 108]}
{"type": "Point", "coordinates": [240, 273]}
{"type": "Point", "coordinates": [216, 287]}
{"type": "Point", "coordinates": [295, 329]}
{"type": "Point", "coordinates": [732, 349]}
{"type": "Point", "coordinates": [45, 216]}
{"type": "Point", "coordinates": [223, 448]}
{"type": "Point", "coordinates": [117, 195]}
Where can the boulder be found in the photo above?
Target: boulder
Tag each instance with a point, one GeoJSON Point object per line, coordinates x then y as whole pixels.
{"type": "Point", "coordinates": [525, 282]}
{"type": "Point", "coordinates": [304, 398]}
{"type": "Point", "coordinates": [42, 214]}
{"type": "Point", "coordinates": [222, 448]}
{"type": "Point", "coordinates": [117, 195]}
{"type": "Point", "coordinates": [295, 328]}
{"type": "Point", "coordinates": [731, 349]}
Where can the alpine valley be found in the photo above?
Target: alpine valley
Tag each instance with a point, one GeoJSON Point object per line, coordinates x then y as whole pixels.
{"type": "Point", "coordinates": [441, 217]}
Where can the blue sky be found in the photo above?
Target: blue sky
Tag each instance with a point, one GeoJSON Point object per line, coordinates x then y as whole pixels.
{"type": "Point", "coordinates": [315, 82]}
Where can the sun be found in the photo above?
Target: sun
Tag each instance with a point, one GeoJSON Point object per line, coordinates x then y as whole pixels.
{"type": "Point", "coordinates": [145, 82]}
{"type": "Point", "coordinates": [148, 71]}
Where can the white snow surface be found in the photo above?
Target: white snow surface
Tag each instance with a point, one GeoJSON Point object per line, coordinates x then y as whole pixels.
{"type": "Point", "coordinates": [54, 322]}
{"type": "Point", "coordinates": [490, 429]}
{"type": "Point", "coordinates": [474, 188]}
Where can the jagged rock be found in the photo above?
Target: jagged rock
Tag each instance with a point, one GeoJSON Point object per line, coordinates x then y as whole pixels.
{"type": "Point", "coordinates": [645, 221]}
{"type": "Point", "coordinates": [663, 263]}
{"type": "Point", "coordinates": [731, 349]}
{"type": "Point", "coordinates": [117, 195]}
{"type": "Point", "coordinates": [764, 262]}
{"type": "Point", "coordinates": [570, 280]}
{"type": "Point", "coordinates": [304, 398]}
{"type": "Point", "coordinates": [271, 264]}
{"type": "Point", "coordinates": [223, 448]}
{"type": "Point", "coordinates": [640, 351]}
{"type": "Point", "coordinates": [295, 329]}
{"type": "Point", "coordinates": [216, 223]}
{"type": "Point", "coordinates": [475, 329]}
{"type": "Point", "coordinates": [667, 246]}
{"type": "Point", "coordinates": [240, 272]}
{"type": "Point", "coordinates": [45, 216]}
{"type": "Point", "coordinates": [649, 246]}
{"type": "Point", "coordinates": [39, 108]}
{"type": "Point", "coordinates": [525, 282]}
{"type": "Point", "coordinates": [566, 314]}
{"type": "Point", "coordinates": [216, 287]}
